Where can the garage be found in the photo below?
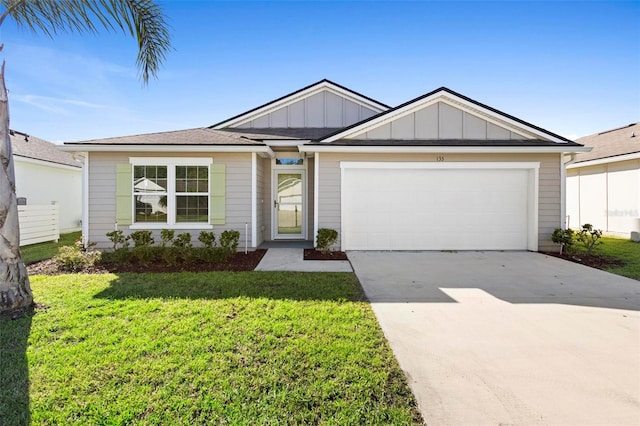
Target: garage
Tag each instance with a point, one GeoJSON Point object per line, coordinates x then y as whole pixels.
{"type": "Point", "coordinates": [439, 206]}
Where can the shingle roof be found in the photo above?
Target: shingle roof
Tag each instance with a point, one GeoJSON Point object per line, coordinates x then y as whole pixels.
{"type": "Point", "coordinates": [197, 136]}
{"type": "Point", "coordinates": [28, 146]}
{"type": "Point", "coordinates": [611, 143]}
{"type": "Point", "coordinates": [310, 133]}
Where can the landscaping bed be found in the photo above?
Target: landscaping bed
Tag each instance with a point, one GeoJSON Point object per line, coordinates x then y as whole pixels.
{"type": "Point", "coordinates": [593, 260]}
{"type": "Point", "coordinates": [236, 262]}
{"type": "Point", "coordinates": [313, 254]}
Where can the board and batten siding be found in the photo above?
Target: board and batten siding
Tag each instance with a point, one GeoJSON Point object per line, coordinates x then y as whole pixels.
{"type": "Point", "coordinates": [323, 109]}
{"type": "Point", "coordinates": [102, 194]}
{"type": "Point", "coordinates": [549, 202]}
{"type": "Point", "coordinates": [439, 121]}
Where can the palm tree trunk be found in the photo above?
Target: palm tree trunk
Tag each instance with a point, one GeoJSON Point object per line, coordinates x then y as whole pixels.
{"type": "Point", "coordinates": [15, 291]}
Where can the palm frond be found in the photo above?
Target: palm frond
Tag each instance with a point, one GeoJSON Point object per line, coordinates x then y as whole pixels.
{"type": "Point", "coordinates": [142, 19]}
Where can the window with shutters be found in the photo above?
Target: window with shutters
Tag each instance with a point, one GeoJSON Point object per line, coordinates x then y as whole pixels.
{"type": "Point", "coordinates": [171, 191]}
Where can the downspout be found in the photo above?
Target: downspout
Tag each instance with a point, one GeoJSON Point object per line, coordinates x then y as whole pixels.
{"type": "Point", "coordinates": [563, 186]}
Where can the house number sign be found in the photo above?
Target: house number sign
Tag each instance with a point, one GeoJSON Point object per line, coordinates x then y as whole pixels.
{"type": "Point", "coordinates": [440, 158]}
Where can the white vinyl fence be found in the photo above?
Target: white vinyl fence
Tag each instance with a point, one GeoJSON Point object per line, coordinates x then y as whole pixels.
{"type": "Point", "coordinates": [38, 223]}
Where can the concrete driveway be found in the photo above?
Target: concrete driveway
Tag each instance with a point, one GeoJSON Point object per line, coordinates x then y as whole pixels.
{"type": "Point", "coordinates": [509, 338]}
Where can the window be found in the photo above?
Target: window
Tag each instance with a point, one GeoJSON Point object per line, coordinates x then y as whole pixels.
{"type": "Point", "coordinates": [171, 191]}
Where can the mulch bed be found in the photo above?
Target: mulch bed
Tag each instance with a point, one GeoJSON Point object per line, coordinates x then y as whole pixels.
{"type": "Point", "coordinates": [237, 262]}
{"type": "Point", "coordinates": [313, 254]}
{"type": "Point", "coordinates": [593, 260]}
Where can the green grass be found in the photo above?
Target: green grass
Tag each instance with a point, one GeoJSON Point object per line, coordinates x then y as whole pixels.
{"type": "Point", "coordinates": [624, 249]}
{"type": "Point", "coordinates": [207, 348]}
{"type": "Point", "coordinates": [41, 251]}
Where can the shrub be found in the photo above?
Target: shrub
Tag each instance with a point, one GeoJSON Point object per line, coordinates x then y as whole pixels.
{"type": "Point", "coordinates": [76, 257]}
{"type": "Point", "coordinates": [325, 239]}
{"type": "Point", "coordinates": [589, 237]}
{"type": "Point", "coordinates": [141, 238]}
{"type": "Point", "coordinates": [564, 237]}
{"type": "Point", "coordinates": [167, 236]}
{"type": "Point", "coordinates": [117, 238]}
{"type": "Point", "coordinates": [183, 241]}
{"type": "Point", "coordinates": [208, 239]}
{"type": "Point", "coordinates": [229, 240]}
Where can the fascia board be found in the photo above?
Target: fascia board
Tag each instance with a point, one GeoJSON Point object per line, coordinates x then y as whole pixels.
{"type": "Point", "coordinates": [608, 160]}
{"type": "Point", "coordinates": [452, 100]}
{"type": "Point", "coordinates": [325, 85]}
{"type": "Point", "coordinates": [441, 149]}
{"type": "Point", "coordinates": [29, 160]}
{"type": "Point", "coordinates": [169, 148]}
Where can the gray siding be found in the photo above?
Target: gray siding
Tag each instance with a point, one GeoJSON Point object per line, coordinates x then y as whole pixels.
{"type": "Point", "coordinates": [102, 190]}
{"type": "Point", "coordinates": [549, 202]}
{"type": "Point", "coordinates": [321, 110]}
{"type": "Point", "coordinates": [438, 121]}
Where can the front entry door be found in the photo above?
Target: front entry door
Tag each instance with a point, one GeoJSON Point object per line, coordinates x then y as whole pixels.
{"type": "Point", "coordinates": [288, 204]}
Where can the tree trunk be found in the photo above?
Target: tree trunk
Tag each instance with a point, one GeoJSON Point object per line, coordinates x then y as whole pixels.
{"type": "Point", "coordinates": [15, 291]}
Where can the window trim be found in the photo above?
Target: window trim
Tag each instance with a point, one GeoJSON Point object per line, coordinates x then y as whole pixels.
{"type": "Point", "coordinates": [172, 194]}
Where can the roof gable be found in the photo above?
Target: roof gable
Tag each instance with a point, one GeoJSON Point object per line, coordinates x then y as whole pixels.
{"type": "Point", "coordinates": [444, 115]}
{"type": "Point", "coordinates": [321, 105]}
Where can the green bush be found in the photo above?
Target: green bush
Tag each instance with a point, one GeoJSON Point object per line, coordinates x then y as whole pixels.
{"type": "Point", "coordinates": [167, 236]}
{"type": "Point", "coordinates": [141, 238]}
{"type": "Point", "coordinates": [117, 238]}
{"type": "Point", "coordinates": [208, 239]}
{"type": "Point", "coordinates": [183, 241]}
{"type": "Point", "coordinates": [589, 237]}
{"type": "Point", "coordinates": [76, 257]}
{"type": "Point", "coordinates": [229, 240]}
{"type": "Point", "coordinates": [564, 237]}
{"type": "Point", "coordinates": [325, 239]}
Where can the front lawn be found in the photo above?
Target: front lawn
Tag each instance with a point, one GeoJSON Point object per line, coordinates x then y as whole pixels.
{"type": "Point", "coordinates": [201, 348]}
{"type": "Point", "coordinates": [624, 249]}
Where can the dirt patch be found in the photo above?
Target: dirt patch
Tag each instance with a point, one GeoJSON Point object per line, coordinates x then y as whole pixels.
{"type": "Point", "coordinates": [593, 260]}
{"type": "Point", "coordinates": [313, 254]}
{"type": "Point", "coordinates": [237, 262]}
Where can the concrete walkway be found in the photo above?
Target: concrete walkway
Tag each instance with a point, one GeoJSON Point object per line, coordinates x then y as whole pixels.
{"type": "Point", "coordinates": [511, 338]}
{"type": "Point", "coordinates": [291, 259]}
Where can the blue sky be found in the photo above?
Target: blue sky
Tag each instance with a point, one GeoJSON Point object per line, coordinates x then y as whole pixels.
{"type": "Point", "coordinates": [570, 67]}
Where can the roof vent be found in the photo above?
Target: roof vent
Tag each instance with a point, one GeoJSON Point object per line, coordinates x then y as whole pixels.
{"type": "Point", "coordinates": [633, 134]}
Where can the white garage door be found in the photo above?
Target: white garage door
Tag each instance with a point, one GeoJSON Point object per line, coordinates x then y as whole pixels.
{"type": "Point", "coordinates": [436, 206]}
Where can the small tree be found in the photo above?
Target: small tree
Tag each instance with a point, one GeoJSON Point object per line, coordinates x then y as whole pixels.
{"type": "Point", "coordinates": [589, 237]}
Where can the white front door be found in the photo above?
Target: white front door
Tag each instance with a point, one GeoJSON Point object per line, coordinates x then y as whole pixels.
{"type": "Point", "coordinates": [289, 207]}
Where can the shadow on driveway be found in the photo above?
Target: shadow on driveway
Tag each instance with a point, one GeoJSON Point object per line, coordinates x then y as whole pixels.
{"type": "Point", "coordinates": [514, 277]}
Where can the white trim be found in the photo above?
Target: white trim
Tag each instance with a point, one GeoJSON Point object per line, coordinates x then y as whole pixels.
{"type": "Point", "coordinates": [533, 187]}
{"type": "Point", "coordinates": [316, 188]}
{"type": "Point", "coordinates": [287, 142]}
{"type": "Point", "coordinates": [275, 169]}
{"type": "Point", "coordinates": [441, 149]}
{"type": "Point", "coordinates": [20, 159]}
{"type": "Point", "coordinates": [181, 225]}
{"type": "Point", "coordinates": [310, 91]}
{"type": "Point", "coordinates": [599, 161]}
{"type": "Point", "coordinates": [450, 99]}
{"type": "Point", "coordinates": [443, 165]}
{"type": "Point", "coordinates": [171, 161]}
{"type": "Point", "coordinates": [254, 199]}
{"type": "Point", "coordinates": [261, 149]}
{"type": "Point", "coordinates": [85, 200]}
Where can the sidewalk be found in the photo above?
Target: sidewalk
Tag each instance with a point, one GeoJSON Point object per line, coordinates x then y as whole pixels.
{"type": "Point", "coordinates": [291, 259]}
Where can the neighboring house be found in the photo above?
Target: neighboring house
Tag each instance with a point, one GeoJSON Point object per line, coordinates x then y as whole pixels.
{"type": "Point", "coordinates": [46, 174]}
{"type": "Point", "coordinates": [603, 186]}
{"type": "Point", "coordinates": [440, 172]}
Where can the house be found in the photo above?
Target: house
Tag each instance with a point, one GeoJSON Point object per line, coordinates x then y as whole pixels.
{"type": "Point", "coordinates": [441, 171]}
{"type": "Point", "coordinates": [603, 186]}
{"type": "Point", "coordinates": [45, 174]}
